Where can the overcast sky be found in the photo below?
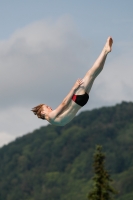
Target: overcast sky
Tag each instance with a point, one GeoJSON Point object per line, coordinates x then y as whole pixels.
{"type": "Point", "coordinates": [46, 45]}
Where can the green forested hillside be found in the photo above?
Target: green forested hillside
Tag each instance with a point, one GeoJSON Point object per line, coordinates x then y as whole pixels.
{"type": "Point", "coordinates": [55, 163]}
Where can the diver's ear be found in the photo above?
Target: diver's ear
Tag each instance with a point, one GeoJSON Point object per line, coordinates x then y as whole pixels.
{"type": "Point", "coordinates": [42, 113]}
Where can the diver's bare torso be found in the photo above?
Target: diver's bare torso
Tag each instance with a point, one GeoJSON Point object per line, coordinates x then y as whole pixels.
{"type": "Point", "coordinates": [66, 115]}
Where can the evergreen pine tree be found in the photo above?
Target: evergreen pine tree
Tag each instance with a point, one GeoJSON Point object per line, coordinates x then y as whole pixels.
{"type": "Point", "coordinates": [102, 190]}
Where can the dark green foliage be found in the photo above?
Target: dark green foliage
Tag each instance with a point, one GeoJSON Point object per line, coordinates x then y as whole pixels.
{"type": "Point", "coordinates": [102, 190]}
{"type": "Point", "coordinates": [55, 162]}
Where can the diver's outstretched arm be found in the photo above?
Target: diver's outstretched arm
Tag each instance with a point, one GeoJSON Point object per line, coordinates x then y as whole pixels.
{"type": "Point", "coordinates": [72, 91]}
{"type": "Point", "coordinates": [67, 99]}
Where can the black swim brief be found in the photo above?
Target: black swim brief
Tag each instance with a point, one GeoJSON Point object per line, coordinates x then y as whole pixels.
{"type": "Point", "coordinates": [81, 100]}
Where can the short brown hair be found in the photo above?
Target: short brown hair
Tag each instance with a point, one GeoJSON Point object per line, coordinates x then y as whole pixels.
{"type": "Point", "coordinates": [37, 111]}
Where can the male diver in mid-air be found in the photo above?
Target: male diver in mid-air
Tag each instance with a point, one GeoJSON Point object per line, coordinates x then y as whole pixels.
{"type": "Point", "coordinates": [77, 97]}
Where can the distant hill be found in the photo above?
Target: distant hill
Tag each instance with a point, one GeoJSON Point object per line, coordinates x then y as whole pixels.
{"type": "Point", "coordinates": [55, 163]}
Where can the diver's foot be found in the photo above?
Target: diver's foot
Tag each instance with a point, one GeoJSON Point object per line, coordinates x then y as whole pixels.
{"type": "Point", "coordinates": [108, 45]}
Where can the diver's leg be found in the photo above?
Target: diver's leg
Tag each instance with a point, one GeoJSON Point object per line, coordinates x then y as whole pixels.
{"type": "Point", "coordinates": [97, 67]}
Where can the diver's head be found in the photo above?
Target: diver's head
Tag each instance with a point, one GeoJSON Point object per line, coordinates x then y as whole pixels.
{"type": "Point", "coordinates": [42, 111]}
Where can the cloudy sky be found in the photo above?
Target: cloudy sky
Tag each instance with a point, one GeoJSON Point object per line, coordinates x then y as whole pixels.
{"type": "Point", "coordinates": [46, 45]}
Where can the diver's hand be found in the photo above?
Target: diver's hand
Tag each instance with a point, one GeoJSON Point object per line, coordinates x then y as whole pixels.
{"type": "Point", "coordinates": [78, 83]}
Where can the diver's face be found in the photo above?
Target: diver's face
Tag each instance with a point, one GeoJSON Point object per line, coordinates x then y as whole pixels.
{"type": "Point", "coordinates": [46, 109]}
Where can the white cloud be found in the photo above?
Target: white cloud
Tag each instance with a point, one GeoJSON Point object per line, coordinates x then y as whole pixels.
{"type": "Point", "coordinates": [38, 56]}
